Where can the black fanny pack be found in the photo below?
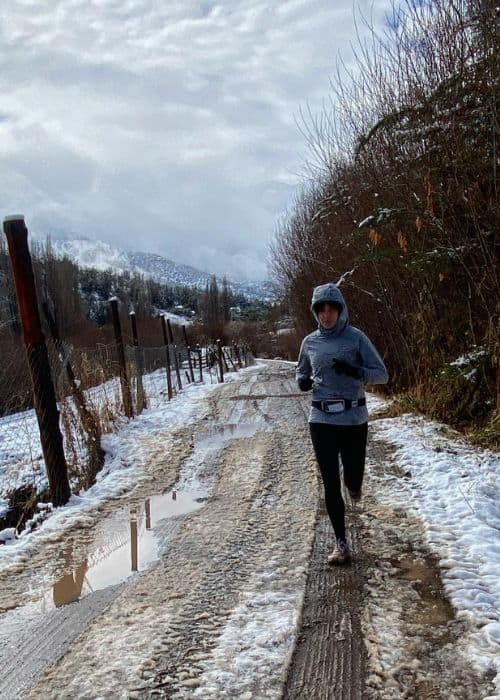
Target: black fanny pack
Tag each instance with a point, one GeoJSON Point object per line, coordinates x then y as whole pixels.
{"type": "Point", "coordinates": [338, 405]}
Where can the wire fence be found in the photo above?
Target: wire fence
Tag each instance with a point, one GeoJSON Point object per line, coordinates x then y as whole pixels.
{"type": "Point", "coordinates": [76, 395]}
{"type": "Point", "coordinates": [91, 395]}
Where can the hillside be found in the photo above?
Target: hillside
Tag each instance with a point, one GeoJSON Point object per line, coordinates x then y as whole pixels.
{"type": "Point", "coordinates": [102, 256]}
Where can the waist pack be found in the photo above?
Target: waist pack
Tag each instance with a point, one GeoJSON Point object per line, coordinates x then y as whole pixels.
{"type": "Point", "coordinates": [338, 405]}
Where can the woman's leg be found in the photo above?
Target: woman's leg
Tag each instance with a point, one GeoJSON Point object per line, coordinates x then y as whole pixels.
{"type": "Point", "coordinates": [353, 453]}
{"type": "Point", "coordinates": [326, 448]}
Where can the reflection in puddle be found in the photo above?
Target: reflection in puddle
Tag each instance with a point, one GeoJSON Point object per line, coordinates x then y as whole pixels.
{"type": "Point", "coordinates": [125, 542]}
{"type": "Point", "coordinates": [69, 588]}
{"type": "Point", "coordinates": [217, 435]}
{"type": "Point", "coordinates": [128, 539]}
{"type": "Point", "coordinates": [134, 549]}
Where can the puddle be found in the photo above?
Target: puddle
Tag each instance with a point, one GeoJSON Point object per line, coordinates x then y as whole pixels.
{"type": "Point", "coordinates": [436, 609]}
{"type": "Point", "coordinates": [125, 542]}
{"type": "Point", "coordinates": [418, 570]}
{"type": "Point", "coordinates": [216, 436]}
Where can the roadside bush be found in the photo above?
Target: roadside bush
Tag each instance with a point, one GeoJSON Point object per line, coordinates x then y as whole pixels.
{"type": "Point", "coordinates": [402, 207]}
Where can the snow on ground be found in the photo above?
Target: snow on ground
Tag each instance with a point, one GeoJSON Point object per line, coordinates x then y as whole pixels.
{"type": "Point", "coordinates": [257, 638]}
{"type": "Point", "coordinates": [177, 319]}
{"type": "Point", "coordinates": [21, 460]}
{"type": "Point", "coordinates": [455, 489]}
{"type": "Point", "coordinates": [124, 467]}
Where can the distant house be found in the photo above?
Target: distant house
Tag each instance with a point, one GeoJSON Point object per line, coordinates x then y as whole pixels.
{"type": "Point", "coordinates": [234, 312]}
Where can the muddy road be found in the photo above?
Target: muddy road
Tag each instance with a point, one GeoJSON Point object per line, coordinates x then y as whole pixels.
{"type": "Point", "coordinates": [208, 580]}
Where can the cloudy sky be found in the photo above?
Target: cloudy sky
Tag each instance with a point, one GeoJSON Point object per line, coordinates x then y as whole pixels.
{"type": "Point", "coordinates": [166, 126]}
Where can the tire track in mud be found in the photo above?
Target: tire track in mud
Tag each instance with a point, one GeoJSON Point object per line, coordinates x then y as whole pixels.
{"type": "Point", "coordinates": [382, 628]}
{"type": "Point", "coordinates": [247, 538]}
{"type": "Point", "coordinates": [228, 568]}
{"type": "Point", "coordinates": [329, 658]}
{"type": "Point", "coordinates": [46, 640]}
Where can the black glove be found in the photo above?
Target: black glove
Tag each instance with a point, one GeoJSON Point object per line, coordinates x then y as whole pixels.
{"type": "Point", "coordinates": [342, 367]}
{"type": "Point", "coordinates": [305, 383]}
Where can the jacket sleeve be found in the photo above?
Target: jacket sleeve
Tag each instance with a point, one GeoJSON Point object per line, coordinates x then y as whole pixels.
{"type": "Point", "coordinates": [303, 369]}
{"type": "Point", "coordinates": [372, 365]}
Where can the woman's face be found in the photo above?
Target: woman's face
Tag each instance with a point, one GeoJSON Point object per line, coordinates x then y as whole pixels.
{"type": "Point", "coordinates": [328, 315]}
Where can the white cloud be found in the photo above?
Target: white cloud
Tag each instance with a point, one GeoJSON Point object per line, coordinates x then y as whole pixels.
{"type": "Point", "coordinates": [163, 126]}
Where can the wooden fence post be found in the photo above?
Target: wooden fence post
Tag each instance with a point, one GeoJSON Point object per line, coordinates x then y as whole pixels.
{"type": "Point", "coordinates": [238, 355]}
{"type": "Point", "coordinates": [200, 360]}
{"type": "Point", "coordinates": [124, 380]}
{"type": "Point", "coordinates": [38, 360]}
{"type": "Point", "coordinates": [165, 340]}
{"type": "Point", "coordinates": [190, 363]}
{"type": "Point", "coordinates": [139, 362]}
{"type": "Point", "coordinates": [219, 352]}
{"type": "Point", "coordinates": [169, 329]}
{"type": "Point", "coordinates": [227, 356]}
{"type": "Point", "coordinates": [134, 550]}
{"type": "Point", "coordinates": [176, 359]}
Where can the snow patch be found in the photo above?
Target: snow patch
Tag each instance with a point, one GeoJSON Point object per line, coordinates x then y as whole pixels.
{"type": "Point", "coordinates": [456, 491]}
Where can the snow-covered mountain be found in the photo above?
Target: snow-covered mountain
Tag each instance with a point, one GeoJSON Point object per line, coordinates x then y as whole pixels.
{"type": "Point", "coordinates": [96, 254]}
{"type": "Point", "coordinates": [166, 270]}
{"type": "Point", "coordinates": [102, 256]}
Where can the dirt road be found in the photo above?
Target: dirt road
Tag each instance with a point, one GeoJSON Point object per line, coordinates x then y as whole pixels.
{"type": "Point", "coordinates": [239, 579]}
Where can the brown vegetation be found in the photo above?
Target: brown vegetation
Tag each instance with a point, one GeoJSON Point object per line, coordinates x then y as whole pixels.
{"type": "Point", "coordinates": [402, 205]}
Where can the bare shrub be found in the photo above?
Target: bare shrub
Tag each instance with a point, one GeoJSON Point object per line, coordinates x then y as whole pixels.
{"type": "Point", "coordinates": [403, 195]}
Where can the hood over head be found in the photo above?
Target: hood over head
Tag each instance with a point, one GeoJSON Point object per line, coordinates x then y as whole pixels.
{"type": "Point", "coordinates": [331, 293]}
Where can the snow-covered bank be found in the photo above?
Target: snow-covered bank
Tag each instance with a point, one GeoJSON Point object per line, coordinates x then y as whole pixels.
{"type": "Point", "coordinates": [124, 467]}
{"type": "Point", "coordinates": [455, 489]}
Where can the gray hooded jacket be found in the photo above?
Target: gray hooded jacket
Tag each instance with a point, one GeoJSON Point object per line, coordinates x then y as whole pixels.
{"type": "Point", "coordinates": [342, 342]}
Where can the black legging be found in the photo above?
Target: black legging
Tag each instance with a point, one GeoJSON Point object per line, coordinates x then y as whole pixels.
{"type": "Point", "coordinates": [350, 442]}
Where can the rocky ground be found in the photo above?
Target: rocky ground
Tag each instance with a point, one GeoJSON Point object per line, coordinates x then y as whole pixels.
{"type": "Point", "coordinates": [240, 603]}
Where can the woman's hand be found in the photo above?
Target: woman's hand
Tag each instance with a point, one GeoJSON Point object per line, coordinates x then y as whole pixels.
{"type": "Point", "coordinates": [342, 367]}
{"type": "Point", "coordinates": [305, 383]}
